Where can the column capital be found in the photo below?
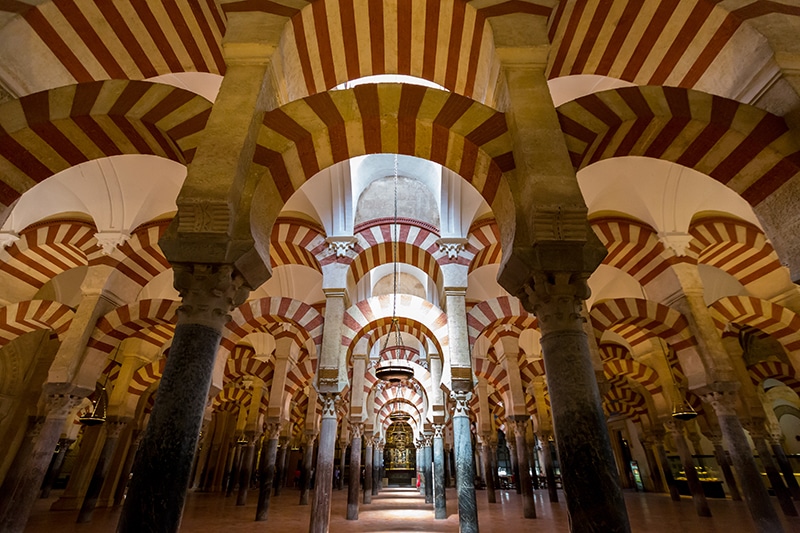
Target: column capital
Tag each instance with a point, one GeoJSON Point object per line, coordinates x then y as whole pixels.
{"type": "Point", "coordinates": [462, 399]}
{"type": "Point", "coordinates": [556, 298]}
{"type": "Point", "coordinates": [356, 430]}
{"type": "Point", "coordinates": [722, 397]}
{"type": "Point", "coordinates": [60, 405]}
{"type": "Point", "coordinates": [208, 293]}
{"type": "Point", "coordinates": [755, 427]}
{"type": "Point", "coordinates": [438, 431]}
{"type": "Point", "coordinates": [272, 430]}
{"type": "Point", "coordinates": [330, 403]}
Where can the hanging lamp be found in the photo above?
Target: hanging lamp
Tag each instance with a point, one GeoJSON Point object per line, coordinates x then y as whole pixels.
{"type": "Point", "coordinates": [394, 371]}
{"type": "Point", "coordinates": [682, 410]}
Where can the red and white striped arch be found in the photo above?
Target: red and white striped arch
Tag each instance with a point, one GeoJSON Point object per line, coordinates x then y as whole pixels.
{"type": "Point", "coordinates": [749, 150]}
{"type": "Point", "coordinates": [32, 315]}
{"type": "Point", "coordinates": [401, 392]}
{"type": "Point", "coordinates": [366, 315]}
{"type": "Point", "coordinates": [231, 398]}
{"type": "Point", "coordinates": [247, 365]}
{"type": "Point", "coordinates": [638, 320]}
{"type": "Point", "coordinates": [531, 369]}
{"type": "Point", "coordinates": [777, 321]}
{"type": "Point", "coordinates": [650, 42]}
{"type": "Point", "coordinates": [495, 374]}
{"type": "Point", "coordinates": [146, 376]}
{"type": "Point", "coordinates": [634, 248]}
{"type": "Point", "coordinates": [127, 320]}
{"type": "Point", "coordinates": [47, 249]}
{"type": "Point", "coordinates": [624, 400]}
{"type": "Point", "coordinates": [447, 42]}
{"type": "Point", "coordinates": [121, 40]}
{"type": "Point", "coordinates": [635, 371]}
{"type": "Point", "coordinates": [416, 247]}
{"type": "Point", "coordinates": [299, 242]}
{"type": "Point", "coordinates": [254, 314]}
{"type": "Point", "coordinates": [484, 244]}
{"type": "Point", "coordinates": [45, 133]}
{"type": "Point", "coordinates": [384, 327]}
{"type": "Point", "coordinates": [303, 137]}
{"type": "Point", "coordinates": [494, 314]}
{"type": "Point", "coordinates": [139, 259]}
{"type": "Point", "coordinates": [300, 375]}
{"type": "Point", "coordinates": [734, 246]}
{"type": "Point", "coordinates": [783, 372]}
{"type": "Point", "coordinates": [401, 353]}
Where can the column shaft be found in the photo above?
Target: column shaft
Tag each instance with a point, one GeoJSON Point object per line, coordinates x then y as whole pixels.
{"type": "Point", "coordinates": [280, 466]}
{"type": "Point", "coordinates": [246, 471]}
{"type": "Point", "coordinates": [491, 492]}
{"type": "Point", "coordinates": [323, 484]}
{"type": "Point", "coordinates": [308, 460]}
{"type": "Point", "coordinates": [695, 487]}
{"type": "Point", "coordinates": [778, 487]}
{"type": "Point", "coordinates": [465, 469]}
{"type": "Point", "coordinates": [549, 470]}
{"type": "Point", "coordinates": [725, 465]}
{"type": "Point", "coordinates": [376, 470]}
{"type": "Point", "coordinates": [55, 466]}
{"type": "Point", "coordinates": [113, 430]}
{"type": "Point", "coordinates": [786, 469]}
{"type": "Point", "coordinates": [427, 457]}
{"type": "Point", "coordinates": [368, 466]}
{"type": "Point", "coordinates": [439, 498]}
{"type": "Point", "coordinates": [269, 454]}
{"type": "Point", "coordinates": [528, 506]}
{"type": "Point", "coordinates": [354, 484]}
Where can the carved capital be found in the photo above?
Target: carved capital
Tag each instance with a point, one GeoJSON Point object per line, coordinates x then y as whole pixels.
{"type": "Point", "coordinates": [330, 404]}
{"type": "Point", "coordinates": [60, 405]}
{"type": "Point", "coordinates": [461, 399]}
{"type": "Point", "coordinates": [110, 240]}
{"type": "Point", "coordinates": [556, 299]}
{"type": "Point", "coordinates": [722, 399]}
{"type": "Point", "coordinates": [114, 428]}
{"type": "Point", "coordinates": [452, 246]}
{"type": "Point", "coordinates": [438, 431]}
{"type": "Point", "coordinates": [209, 293]}
{"type": "Point", "coordinates": [356, 430]}
{"type": "Point", "coordinates": [341, 246]}
{"type": "Point", "coordinates": [756, 428]}
{"type": "Point", "coordinates": [272, 430]}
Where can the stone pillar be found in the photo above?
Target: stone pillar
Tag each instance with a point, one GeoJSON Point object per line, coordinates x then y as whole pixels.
{"type": "Point", "coordinates": [588, 472]}
{"type": "Point", "coordinates": [43, 436]}
{"type": "Point", "coordinates": [758, 434]}
{"type": "Point", "coordinates": [548, 449]}
{"type": "Point", "coordinates": [723, 400]}
{"type": "Point", "coordinates": [113, 430]}
{"type": "Point", "coordinates": [725, 465]}
{"type": "Point", "coordinates": [280, 464]}
{"type": "Point", "coordinates": [520, 423]}
{"type": "Point", "coordinates": [448, 467]}
{"type": "Point", "coordinates": [439, 497]}
{"type": "Point", "coordinates": [246, 467]}
{"type": "Point", "coordinates": [698, 496]}
{"type": "Point", "coordinates": [784, 465]}
{"type": "Point", "coordinates": [55, 466]}
{"type": "Point", "coordinates": [465, 470]}
{"type": "Point", "coordinates": [512, 455]}
{"type": "Point", "coordinates": [269, 454]}
{"type": "Point", "coordinates": [161, 474]}
{"type": "Point", "coordinates": [308, 460]}
{"type": "Point", "coordinates": [427, 457]}
{"type": "Point", "coordinates": [235, 470]}
{"type": "Point", "coordinates": [667, 471]}
{"type": "Point", "coordinates": [91, 444]}
{"type": "Point", "coordinates": [376, 468]}
{"type": "Point", "coordinates": [652, 464]}
{"type": "Point", "coordinates": [353, 487]}
{"type": "Point", "coordinates": [488, 451]}
{"type": "Point", "coordinates": [368, 467]}
{"type": "Point", "coordinates": [321, 508]}
{"type": "Point", "coordinates": [125, 472]}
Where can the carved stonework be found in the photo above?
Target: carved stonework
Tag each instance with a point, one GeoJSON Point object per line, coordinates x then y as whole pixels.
{"type": "Point", "coordinates": [272, 430]}
{"type": "Point", "coordinates": [114, 428]}
{"type": "Point", "coordinates": [209, 293]}
{"type": "Point", "coordinates": [330, 403]}
{"type": "Point", "coordinates": [60, 405]}
{"type": "Point", "coordinates": [203, 217]}
{"type": "Point", "coordinates": [556, 299]}
{"type": "Point", "coordinates": [451, 246]}
{"type": "Point", "coordinates": [438, 431]}
{"type": "Point", "coordinates": [560, 222]}
{"type": "Point", "coordinates": [356, 430]}
{"type": "Point", "coordinates": [723, 401]}
{"type": "Point", "coordinates": [7, 239]}
{"type": "Point", "coordinates": [341, 246]}
{"type": "Point", "coordinates": [110, 240]}
{"type": "Point", "coordinates": [461, 399]}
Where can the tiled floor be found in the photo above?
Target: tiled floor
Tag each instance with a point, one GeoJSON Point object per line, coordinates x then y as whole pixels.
{"type": "Point", "coordinates": [404, 510]}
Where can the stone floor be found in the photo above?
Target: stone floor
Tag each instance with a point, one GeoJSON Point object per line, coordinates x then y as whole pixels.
{"type": "Point", "coordinates": [404, 510]}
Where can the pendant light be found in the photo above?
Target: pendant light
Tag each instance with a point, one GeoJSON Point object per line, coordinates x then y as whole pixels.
{"type": "Point", "coordinates": [394, 371]}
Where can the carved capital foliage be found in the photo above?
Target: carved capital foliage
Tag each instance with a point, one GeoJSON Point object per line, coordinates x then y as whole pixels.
{"type": "Point", "coordinates": [356, 430]}
{"type": "Point", "coordinates": [330, 404]}
{"type": "Point", "coordinates": [438, 431]}
{"type": "Point", "coordinates": [452, 247]}
{"type": "Point", "coordinates": [209, 293]}
{"type": "Point", "coordinates": [341, 246]}
{"type": "Point", "coordinates": [272, 430]}
{"type": "Point", "coordinates": [723, 401]}
{"type": "Point", "coordinates": [114, 428]}
{"type": "Point", "coordinates": [461, 399]}
{"type": "Point", "coordinates": [556, 298]}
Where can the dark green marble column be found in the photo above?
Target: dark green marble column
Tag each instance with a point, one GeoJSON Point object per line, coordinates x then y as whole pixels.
{"type": "Point", "coordinates": [465, 468]}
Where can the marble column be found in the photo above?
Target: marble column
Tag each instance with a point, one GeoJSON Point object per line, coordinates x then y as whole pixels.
{"type": "Point", "coordinates": [758, 434]}
{"type": "Point", "coordinates": [376, 468]}
{"type": "Point", "coordinates": [698, 496]}
{"type": "Point", "coordinates": [269, 454]}
{"type": "Point", "coordinates": [588, 470]}
{"type": "Point", "coordinates": [439, 497]}
{"type": "Point", "coordinates": [785, 466]}
{"type": "Point", "coordinates": [42, 436]}
{"type": "Point", "coordinates": [55, 466]}
{"type": "Point", "coordinates": [465, 469]}
{"type": "Point", "coordinates": [667, 471]}
{"type": "Point", "coordinates": [368, 467]}
{"type": "Point", "coordinates": [341, 462]}
{"type": "Point", "coordinates": [308, 461]}
{"type": "Point", "coordinates": [125, 472]}
{"type": "Point", "coordinates": [725, 465]}
{"type": "Point", "coordinates": [755, 494]}
{"type": "Point", "coordinates": [354, 485]}
{"type": "Point", "coordinates": [652, 464]}
{"type": "Point", "coordinates": [235, 468]}
{"type": "Point", "coordinates": [427, 454]}
{"type": "Point", "coordinates": [113, 430]}
{"type": "Point", "coordinates": [549, 448]}
{"type": "Point", "coordinates": [448, 467]}
{"type": "Point", "coordinates": [512, 455]}
{"type": "Point", "coordinates": [247, 454]}
{"type": "Point", "coordinates": [488, 450]}
{"type": "Point", "coordinates": [323, 484]}
{"type": "Point", "coordinates": [91, 444]}
{"type": "Point", "coordinates": [280, 464]}
{"type": "Point", "coordinates": [161, 473]}
{"type": "Point", "coordinates": [520, 423]}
